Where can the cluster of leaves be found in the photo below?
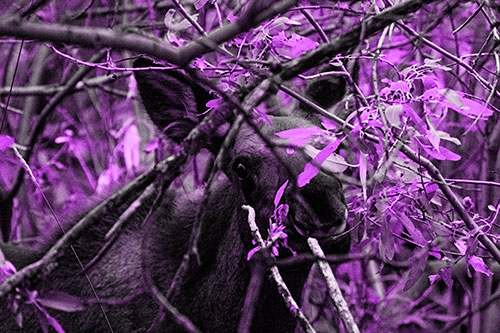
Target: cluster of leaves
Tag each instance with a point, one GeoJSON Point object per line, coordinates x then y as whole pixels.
{"type": "Point", "coordinates": [434, 94]}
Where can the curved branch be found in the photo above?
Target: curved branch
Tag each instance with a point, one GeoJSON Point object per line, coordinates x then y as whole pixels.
{"type": "Point", "coordinates": [343, 44]}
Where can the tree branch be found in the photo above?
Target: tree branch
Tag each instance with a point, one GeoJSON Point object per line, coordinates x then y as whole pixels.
{"type": "Point", "coordinates": [343, 44]}
{"type": "Point", "coordinates": [100, 37]}
{"type": "Point", "coordinates": [90, 37]}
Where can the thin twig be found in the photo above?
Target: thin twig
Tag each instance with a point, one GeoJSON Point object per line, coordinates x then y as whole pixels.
{"type": "Point", "coordinates": [44, 90]}
{"type": "Point", "coordinates": [282, 288]}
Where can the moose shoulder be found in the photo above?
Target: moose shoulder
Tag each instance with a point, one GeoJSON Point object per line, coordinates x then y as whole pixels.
{"type": "Point", "coordinates": [212, 296]}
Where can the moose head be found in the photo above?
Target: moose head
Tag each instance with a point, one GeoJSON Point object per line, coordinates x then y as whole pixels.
{"type": "Point", "coordinates": [252, 173]}
{"type": "Point", "coordinates": [213, 293]}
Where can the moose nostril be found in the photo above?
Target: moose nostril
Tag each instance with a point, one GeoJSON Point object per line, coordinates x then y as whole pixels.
{"type": "Point", "coordinates": [326, 228]}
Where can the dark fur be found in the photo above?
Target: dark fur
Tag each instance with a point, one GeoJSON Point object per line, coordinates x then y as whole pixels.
{"type": "Point", "coordinates": [213, 295]}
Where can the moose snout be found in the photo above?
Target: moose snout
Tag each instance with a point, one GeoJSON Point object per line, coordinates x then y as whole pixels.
{"type": "Point", "coordinates": [337, 226]}
{"type": "Point", "coordinates": [311, 224]}
{"type": "Point", "coordinates": [320, 212]}
{"type": "Point", "coordinates": [325, 218]}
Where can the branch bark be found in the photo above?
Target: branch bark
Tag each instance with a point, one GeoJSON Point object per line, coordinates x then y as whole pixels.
{"type": "Point", "coordinates": [100, 37]}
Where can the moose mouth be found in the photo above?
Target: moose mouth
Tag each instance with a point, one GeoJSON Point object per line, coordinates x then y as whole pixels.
{"type": "Point", "coordinates": [305, 226]}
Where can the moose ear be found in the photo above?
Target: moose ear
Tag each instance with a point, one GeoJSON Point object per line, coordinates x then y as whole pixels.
{"type": "Point", "coordinates": [172, 100]}
{"type": "Point", "coordinates": [326, 91]}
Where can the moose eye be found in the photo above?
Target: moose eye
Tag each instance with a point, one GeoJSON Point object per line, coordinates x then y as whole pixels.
{"type": "Point", "coordinates": [241, 170]}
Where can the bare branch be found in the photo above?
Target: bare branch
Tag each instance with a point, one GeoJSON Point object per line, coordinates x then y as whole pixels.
{"type": "Point", "coordinates": [99, 37]}
{"type": "Point", "coordinates": [333, 288]}
{"type": "Point", "coordinates": [90, 37]}
{"type": "Point", "coordinates": [343, 44]}
{"type": "Point", "coordinates": [282, 288]}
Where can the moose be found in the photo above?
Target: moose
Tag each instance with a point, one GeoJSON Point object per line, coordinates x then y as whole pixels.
{"type": "Point", "coordinates": [212, 296]}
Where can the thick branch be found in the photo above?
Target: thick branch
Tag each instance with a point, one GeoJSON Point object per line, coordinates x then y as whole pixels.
{"type": "Point", "coordinates": [343, 44]}
{"type": "Point", "coordinates": [90, 37]}
{"type": "Point", "coordinates": [99, 37]}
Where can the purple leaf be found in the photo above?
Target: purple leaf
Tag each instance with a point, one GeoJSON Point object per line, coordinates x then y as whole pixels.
{"type": "Point", "coordinates": [458, 102]}
{"type": "Point", "coordinates": [279, 193]}
{"type": "Point", "coordinates": [152, 145]}
{"type": "Point", "coordinates": [479, 266]}
{"type": "Point", "coordinates": [6, 142]}
{"type": "Point", "coordinates": [252, 252]}
{"type": "Point", "coordinates": [6, 269]}
{"type": "Point", "coordinates": [214, 103]}
{"type": "Point", "coordinates": [433, 278]}
{"type": "Point", "coordinates": [310, 171]}
{"type": "Point", "coordinates": [420, 125]}
{"type": "Point", "coordinates": [461, 246]}
{"type": "Point", "coordinates": [444, 154]}
{"type": "Point", "coordinates": [312, 168]}
{"type": "Point", "coordinates": [435, 252]}
{"type": "Point", "coordinates": [294, 45]}
{"type": "Point", "coordinates": [61, 301]}
{"type": "Point", "coordinates": [445, 274]}
{"type": "Point", "coordinates": [476, 109]}
{"type": "Point", "coordinates": [46, 319]}
{"type": "Point", "coordinates": [325, 152]}
{"type": "Point", "coordinates": [431, 95]}
{"type": "Point", "coordinates": [334, 163]}
{"type": "Point", "coordinates": [402, 86]}
{"type": "Point", "coordinates": [431, 189]}
{"type": "Point", "coordinates": [414, 233]}
{"type": "Point", "coordinates": [66, 137]}
{"type": "Point", "coordinates": [393, 114]}
{"type": "Point", "coordinates": [386, 244]}
{"type": "Point", "coordinates": [111, 175]}
{"type": "Point", "coordinates": [328, 124]}
{"type": "Point", "coordinates": [300, 136]}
